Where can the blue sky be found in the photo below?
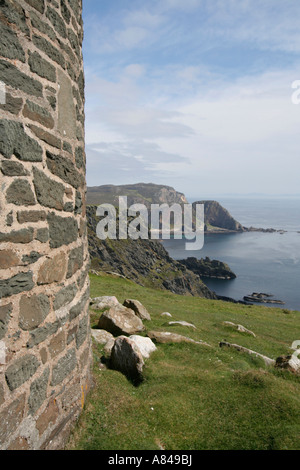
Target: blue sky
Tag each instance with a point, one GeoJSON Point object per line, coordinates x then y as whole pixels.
{"type": "Point", "coordinates": [195, 94]}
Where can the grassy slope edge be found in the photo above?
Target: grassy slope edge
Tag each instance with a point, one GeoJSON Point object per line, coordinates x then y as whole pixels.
{"type": "Point", "coordinates": [195, 397]}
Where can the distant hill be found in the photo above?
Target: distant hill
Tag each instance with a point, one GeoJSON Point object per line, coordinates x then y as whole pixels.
{"type": "Point", "coordinates": [140, 193]}
{"type": "Point", "coordinates": [217, 218]}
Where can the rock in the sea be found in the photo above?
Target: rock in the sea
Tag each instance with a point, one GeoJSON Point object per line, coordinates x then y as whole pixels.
{"type": "Point", "coordinates": [120, 320]}
{"type": "Point", "coordinates": [166, 314]}
{"type": "Point", "coordinates": [104, 302]}
{"type": "Point", "coordinates": [290, 363]}
{"type": "Point", "coordinates": [167, 337]}
{"type": "Point", "coordinates": [240, 328]}
{"type": "Point", "coordinates": [145, 345]}
{"type": "Point", "coordinates": [127, 358]}
{"type": "Point", "coordinates": [101, 336]}
{"type": "Point", "coordinates": [182, 323]}
{"type": "Point", "coordinates": [138, 308]}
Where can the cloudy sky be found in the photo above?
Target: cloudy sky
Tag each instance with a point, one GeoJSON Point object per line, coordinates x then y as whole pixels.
{"type": "Point", "coordinates": [195, 94]}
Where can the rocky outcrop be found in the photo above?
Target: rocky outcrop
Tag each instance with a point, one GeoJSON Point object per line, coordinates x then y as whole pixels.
{"type": "Point", "coordinates": [139, 193]}
{"type": "Point", "coordinates": [120, 320]}
{"type": "Point", "coordinates": [138, 309]}
{"type": "Point", "coordinates": [127, 358]}
{"type": "Point", "coordinates": [206, 267]}
{"type": "Point", "coordinates": [217, 218]}
{"type": "Point", "coordinates": [165, 337]}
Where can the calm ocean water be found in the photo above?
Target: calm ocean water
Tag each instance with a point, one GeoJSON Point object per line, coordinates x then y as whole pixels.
{"type": "Point", "coordinates": [263, 262]}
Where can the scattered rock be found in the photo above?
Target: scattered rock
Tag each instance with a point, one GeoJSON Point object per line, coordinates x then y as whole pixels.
{"type": "Point", "coordinates": [103, 302]}
{"type": "Point", "coordinates": [101, 336]}
{"type": "Point", "coordinates": [182, 323]}
{"type": "Point", "coordinates": [145, 345]}
{"type": "Point", "coordinates": [240, 328]}
{"type": "Point", "coordinates": [109, 345]}
{"type": "Point", "coordinates": [267, 360]}
{"type": "Point", "coordinates": [290, 363]}
{"type": "Point", "coordinates": [167, 337]}
{"type": "Point", "coordinates": [166, 314]}
{"type": "Point", "coordinates": [127, 358]}
{"type": "Point", "coordinates": [138, 308]}
{"type": "Point", "coordinates": [120, 320]}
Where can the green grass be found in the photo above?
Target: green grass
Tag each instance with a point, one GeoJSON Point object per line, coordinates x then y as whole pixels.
{"type": "Point", "coordinates": [194, 397]}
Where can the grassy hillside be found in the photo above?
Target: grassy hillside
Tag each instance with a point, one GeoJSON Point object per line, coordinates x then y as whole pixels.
{"type": "Point", "coordinates": [195, 397]}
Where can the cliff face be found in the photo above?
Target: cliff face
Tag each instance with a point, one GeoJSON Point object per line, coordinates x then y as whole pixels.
{"type": "Point", "coordinates": [217, 218]}
{"type": "Point", "coordinates": [146, 262]}
{"type": "Point", "coordinates": [140, 193]}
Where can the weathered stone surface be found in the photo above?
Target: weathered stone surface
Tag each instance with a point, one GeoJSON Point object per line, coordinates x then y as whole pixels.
{"type": "Point", "coordinates": [46, 136]}
{"type": "Point", "coordinates": [240, 328]}
{"type": "Point", "coordinates": [64, 367]}
{"type": "Point", "coordinates": [138, 308]}
{"type": "Point", "coordinates": [166, 314]}
{"type": "Point", "coordinates": [64, 169]}
{"type": "Point", "coordinates": [267, 360]}
{"type": "Point", "coordinates": [8, 258]}
{"type": "Point", "coordinates": [79, 308]}
{"type": "Point", "coordinates": [2, 394]}
{"type": "Point", "coordinates": [21, 370]}
{"type": "Point", "coordinates": [31, 216]}
{"type": "Point", "coordinates": [10, 46]}
{"type": "Point", "coordinates": [291, 363]}
{"type": "Point", "coordinates": [20, 283]}
{"type": "Point", "coordinates": [64, 296]}
{"type": "Point", "coordinates": [75, 261]}
{"type": "Point", "coordinates": [38, 392]}
{"type": "Point", "coordinates": [182, 323]}
{"type": "Point", "coordinates": [41, 334]}
{"type": "Point", "coordinates": [145, 345]}
{"type": "Point", "coordinates": [33, 311]}
{"type": "Point", "coordinates": [48, 417]}
{"type": "Point", "coordinates": [13, 139]}
{"type": "Point", "coordinates": [20, 193]}
{"type": "Point", "coordinates": [41, 26]}
{"type": "Point", "coordinates": [104, 302]}
{"type": "Point", "coordinates": [12, 12]}
{"type": "Point", "coordinates": [32, 258]}
{"type": "Point", "coordinates": [127, 358]}
{"type": "Point", "coordinates": [12, 105]}
{"type": "Point", "coordinates": [101, 336]}
{"type": "Point", "coordinates": [57, 344]}
{"type": "Point", "coordinates": [79, 157]}
{"type": "Point", "coordinates": [120, 320]}
{"type": "Point", "coordinates": [52, 270]}
{"type": "Point", "coordinates": [57, 22]}
{"type": "Point", "coordinates": [37, 4]}
{"type": "Point", "coordinates": [5, 314]}
{"type": "Point", "coordinates": [42, 235]}
{"type": "Point", "coordinates": [62, 230]}
{"type": "Point", "coordinates": [34, 112]}
{"type": "Point", "coordinates": [49, 193]}
{"type": "Point", "coordinates": [11, 168]}
{"type": "Point", "coordinates": [50, 51]}
{"type": "Point", "coordinates": [41, 67]}
{"type": "Point", "coordinates": [82, 332]}
{"type": "Point", "coordinates": [66, 110]}
{"type": "Point", "coordinates": [11, 417]}
{"type": "Point", "coordinates": [167, 337]}
{"type": "Point", "coordinates": [23, 236]}
{"type": "Point", "coordinates": [14, 78]}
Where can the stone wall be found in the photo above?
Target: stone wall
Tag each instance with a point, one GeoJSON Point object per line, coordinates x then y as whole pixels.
{"type": "Point", "coordinates": [45, 348]}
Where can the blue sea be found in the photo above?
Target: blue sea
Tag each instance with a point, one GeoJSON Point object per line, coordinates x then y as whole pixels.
{"type": "Point", "coordinates": [263, 262]}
